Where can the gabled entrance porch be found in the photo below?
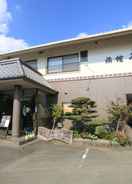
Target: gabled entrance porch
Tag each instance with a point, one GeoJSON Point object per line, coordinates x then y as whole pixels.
{"type": "Point", "coordinates": [21, 87]}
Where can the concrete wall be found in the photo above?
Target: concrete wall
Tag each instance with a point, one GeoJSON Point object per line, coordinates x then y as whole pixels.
{"type": "Point", "coordinates": [103, 91]}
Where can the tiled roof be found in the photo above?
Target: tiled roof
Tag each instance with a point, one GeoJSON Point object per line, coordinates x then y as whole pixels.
{"type": "Point", "coordinates": [14, 68]}
{"type": "Point", "coordinates": [10, 69]}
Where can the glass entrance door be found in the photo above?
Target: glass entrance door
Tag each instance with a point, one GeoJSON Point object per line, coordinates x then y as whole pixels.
{"type": "Point", "coordinates": [27, 115]}
{"type": "Point", "coordinates": [28, 108]}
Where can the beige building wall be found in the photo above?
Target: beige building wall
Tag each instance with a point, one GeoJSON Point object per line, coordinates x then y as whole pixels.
{"type": "Point", "coordinates": [103, 91]}
{"type": "Point", "coordinates": [97, 53]}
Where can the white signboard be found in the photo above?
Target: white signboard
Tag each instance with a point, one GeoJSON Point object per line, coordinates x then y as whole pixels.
{"type": "Point", "coordinates": [5, 121]}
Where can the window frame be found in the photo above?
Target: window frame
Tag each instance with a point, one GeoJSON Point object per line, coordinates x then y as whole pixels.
{"type": "Point", "coordinates": [48, 65]}
{"type": "Point", "coordinates": [32, 60]}
{"type": "Point", "coordinates": [129, 98]}
{"type": "Point", "coordinates": [83, 61]}
{"type": "Point", "coordinates": [62, 56]}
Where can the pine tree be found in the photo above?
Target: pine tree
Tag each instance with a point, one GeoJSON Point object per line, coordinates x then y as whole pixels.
{"type": "Point", "coordinates": [83, 111]}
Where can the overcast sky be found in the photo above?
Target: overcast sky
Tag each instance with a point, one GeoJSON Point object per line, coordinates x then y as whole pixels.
{"type": "Point", "coordinates": [24, 23]}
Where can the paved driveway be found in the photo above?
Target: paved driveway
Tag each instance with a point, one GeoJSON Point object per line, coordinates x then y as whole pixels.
{"type": "Point", "coordinates": [42, 163]}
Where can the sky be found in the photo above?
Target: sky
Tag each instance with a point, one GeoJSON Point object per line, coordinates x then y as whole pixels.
{"type": "Point", "coordinates": [24, 23]}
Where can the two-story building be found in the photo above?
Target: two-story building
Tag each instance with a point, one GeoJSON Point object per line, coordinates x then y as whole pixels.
{"type": "Point", "coordinates": [97, 66]}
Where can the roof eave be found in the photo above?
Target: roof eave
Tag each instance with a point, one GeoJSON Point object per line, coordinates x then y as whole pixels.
{"type": "Point", "coordinates": [89, 38]}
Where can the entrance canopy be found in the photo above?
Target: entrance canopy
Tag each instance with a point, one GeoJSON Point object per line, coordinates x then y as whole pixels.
{"type": "Point", "coordinates": [14, 72]}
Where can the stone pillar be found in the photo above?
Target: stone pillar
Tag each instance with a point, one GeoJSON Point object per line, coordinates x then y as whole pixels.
{"type": "Point", "coordinates": [16, 112]}
{"type": "Point", "coordinates": [35, 116]}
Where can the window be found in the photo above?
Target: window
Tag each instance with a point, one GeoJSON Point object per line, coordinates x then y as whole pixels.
{"type": "Point", "coordinates": [32, 64]}
{"type": "Point", "coordinates": [55, 65]}
{"type": "Point", "coordinates": [70, 63]}
{"type": "Point", "coordinates": [63, 63]}
{"type": "Point", "coordinates": [84, 56]}
{"type": "Point", "coordinates": [129, 98]}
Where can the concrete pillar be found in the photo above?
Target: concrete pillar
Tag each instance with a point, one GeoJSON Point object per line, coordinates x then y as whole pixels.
{"type": "Point", "coordinates": [16, 112]}
{"type": "Point", "coordinates": [35, 115]}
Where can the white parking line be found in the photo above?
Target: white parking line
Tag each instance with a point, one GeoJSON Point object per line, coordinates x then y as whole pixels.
{"type": "Point", "coordinates": [85, 153]}
{"type": "Point", "coordinates": [83, 157]}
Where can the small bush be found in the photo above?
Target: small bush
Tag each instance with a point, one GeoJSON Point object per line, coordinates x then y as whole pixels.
{"type": "Point", "coordinates": [87, 135]}
{"type": "Point", "coordinates": [76, 134]}
{"type": "Point", "coordinates": [110, 136]}
{"type": "Point", "coordinates": [99, 121]}
{"type": "Point", "coordinates": [101, 132]}
{"type": "Point", "coordinates": [104, 132]}
{"type": "Point", "coordinates": [67, 114]}
{"type": "Point", "coordinates": [115, 141]}
{"type": "Point", "coordinates": [123, 140]}
{"type": "Point", "coordinates": [56, 114]}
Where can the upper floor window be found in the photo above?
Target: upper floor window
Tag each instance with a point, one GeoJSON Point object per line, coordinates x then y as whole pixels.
{"type": "Point", "coordinates": [84, 56]}
{"type": "Point", "coordinates": [32, 64]}
{"type": "Point", "coordinates": [55, 64]}
{"type": "Point", "coordinates": [65, 63]}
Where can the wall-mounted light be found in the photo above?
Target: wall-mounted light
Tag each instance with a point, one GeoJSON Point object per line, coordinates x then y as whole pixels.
{"type": "Point", "coordinates": [96, 42]}
{"type": "Point", "coordinates": [41, 52]}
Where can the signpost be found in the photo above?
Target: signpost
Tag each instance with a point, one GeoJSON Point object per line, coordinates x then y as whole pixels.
{"type": "Point", "coordinates": [5, 121]}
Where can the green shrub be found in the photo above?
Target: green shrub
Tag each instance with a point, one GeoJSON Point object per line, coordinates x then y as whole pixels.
{"type": "Point", "coordinates": [87, 135]}
{"type": "Point", "coordinates": [56, 114]}
{"type": "Point", "coordinates": [118, 111]}
{"type": "Point", "coordinates": [110, 136]}
{"type": "Point", "coordinates": [67, 114]}
{"type": "Point", "coordinates": [76, 134]}
{"type": "Point", "coordinates": [115, 141]}
{"type": "Point", "coordinates": [99, 121]}
{"type": "Point", "coordinates": [124, 141]}
{"type": "Point", "coordinates": [104, 133]}
{"type": "Point", "coordinates": [101, 132]}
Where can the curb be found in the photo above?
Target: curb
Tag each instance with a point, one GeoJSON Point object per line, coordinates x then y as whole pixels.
{"type": "Point", "coordinates": [98, 143]}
